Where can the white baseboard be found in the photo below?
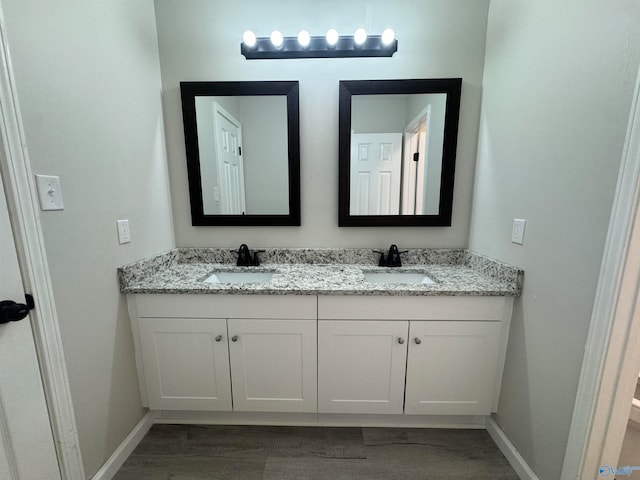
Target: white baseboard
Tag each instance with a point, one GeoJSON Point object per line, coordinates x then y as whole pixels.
{"type": "Point", "coordinates": [320, 420]}
{"type": "Point", "coordinates": [509, 451]}
{"type": "Point", "coordinates": [128, 445]}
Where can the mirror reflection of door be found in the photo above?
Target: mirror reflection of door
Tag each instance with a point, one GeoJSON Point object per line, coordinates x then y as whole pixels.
{"type": "Point", "coordinates": [376, 163]}
{"type": "Point", "coordinates": [230, 189]}
{"type": "Point", "coordinates": [414, 162]}
{"type": "Point", "coordinates": [242, 154]}
{"type": "Point", "coordinates": [408, 181]}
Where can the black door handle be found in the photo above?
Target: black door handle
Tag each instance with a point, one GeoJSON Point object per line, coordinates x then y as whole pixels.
{"type": "Point", "coordinates": [11, 311]}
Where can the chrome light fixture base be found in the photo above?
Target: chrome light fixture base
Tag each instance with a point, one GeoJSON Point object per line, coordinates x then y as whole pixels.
{"type": "Point", "coordinates": [319, 48]}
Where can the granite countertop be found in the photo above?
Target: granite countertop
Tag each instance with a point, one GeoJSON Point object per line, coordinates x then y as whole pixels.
{"type": "Point", "coordinates": [322, 272]}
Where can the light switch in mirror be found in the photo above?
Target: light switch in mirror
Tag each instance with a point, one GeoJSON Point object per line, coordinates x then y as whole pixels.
{"type": "Point", "coordinates": [397, 151]}
{"type": "Point", "coordinates": [243, 154]}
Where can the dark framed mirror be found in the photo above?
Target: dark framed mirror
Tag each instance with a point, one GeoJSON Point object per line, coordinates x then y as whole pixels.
{"type": "Point", "coordinates": [242, 144]}
{"type": "Point", "coordinates": [397, 151]}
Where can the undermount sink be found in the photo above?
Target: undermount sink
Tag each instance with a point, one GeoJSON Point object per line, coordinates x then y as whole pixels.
{"type": "Point", "coordinates": [239, 277]}
{"type": "Point", "coordinates": [397, 278]}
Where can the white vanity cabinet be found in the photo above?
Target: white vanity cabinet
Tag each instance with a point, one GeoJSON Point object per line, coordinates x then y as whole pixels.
{"type": "Point", "coordinates": [451, 367]}
{"type": "Point", "coordinates": [411, 355]}
{"type": "Point", "coordinates": [192, 353]}
{"type": "Point", "coordinates": [185, 363]}
{"type": "Point", "coordinates": [391, 357]}
{"type": "Point", "coordinates": [361, 366]}
{"type": "Point", "coordinates": [273, 365]}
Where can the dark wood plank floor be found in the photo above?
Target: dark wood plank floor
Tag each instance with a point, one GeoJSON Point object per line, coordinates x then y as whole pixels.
{"type": "Point", "coordinates": [194, 452]}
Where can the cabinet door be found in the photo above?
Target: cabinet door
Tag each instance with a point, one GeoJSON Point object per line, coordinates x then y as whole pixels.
{"type": "Point", "coordinates": [273, 365]}
{"type": "Point", "coordinates": [361, 366]}
{"type": "Point", "coordinates": [451, 367]}
{"type": "Point", "coordinates": [186, 363]}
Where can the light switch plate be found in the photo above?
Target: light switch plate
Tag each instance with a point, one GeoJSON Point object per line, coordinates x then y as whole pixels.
{"type": "Point", "coordinates": [49, 192]}
{"type": "Point", "coordinates": [517, 234]}
{"type": "Point", "coordinates": [124, 233]}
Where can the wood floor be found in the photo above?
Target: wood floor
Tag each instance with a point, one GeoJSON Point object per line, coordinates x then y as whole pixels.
{"type": "Point", "coordinates": [181, 452]}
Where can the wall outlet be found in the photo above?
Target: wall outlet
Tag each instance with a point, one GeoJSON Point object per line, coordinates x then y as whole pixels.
{"type": "Point", "coordinates": [124, 233]}
{"type": "Point", "coordinates": [49, 192]}
{"type": "Point", "coordinates": [517, 234]}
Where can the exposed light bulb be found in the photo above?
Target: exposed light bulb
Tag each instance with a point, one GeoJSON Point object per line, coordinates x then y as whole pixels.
{"type": "Point", "coordinates": [249, 38]}
{"type": "Point", "coordinates": [388, 36]}
{"type": "Point", "coordinates": [304, 39]}
{"type": "Point", "coordinates": [277, 39]}
{"type": "Point", "coordinates": [360, 36]}
{"type": "Point", "coordinates": [332, 37]}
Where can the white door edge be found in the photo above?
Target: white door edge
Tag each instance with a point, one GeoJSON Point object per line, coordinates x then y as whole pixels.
{"type": "Point", "coordinates": [612, 357]}
{"type": "Point", "coordinates": [25, 220]}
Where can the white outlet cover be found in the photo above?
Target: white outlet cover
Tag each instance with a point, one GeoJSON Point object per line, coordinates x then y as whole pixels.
{"type": "Point", "coordinates": [517, 233]}
{"type": "Point", "coordinates": [49, 192]}
{"type": "Point", "coordinates": [124, 233]}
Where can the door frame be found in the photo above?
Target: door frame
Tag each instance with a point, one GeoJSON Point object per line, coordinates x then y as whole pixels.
{"type": "Point", "coordinates": [25, 221]}
{"type": "Point", "coordinates": [612, 351]}
{"type": "Point", "coordinates": [411, 130]}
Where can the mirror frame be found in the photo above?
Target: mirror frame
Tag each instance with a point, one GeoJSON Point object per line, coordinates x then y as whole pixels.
{"type": "Point", "coordinates": [189, 91]}
{"type": "Point", "coordinates": [452, 87]}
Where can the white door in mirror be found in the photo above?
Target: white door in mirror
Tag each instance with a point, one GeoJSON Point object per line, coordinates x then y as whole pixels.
{"type": "Point", "coordinates": [229, 160]}
{"type": "Point", "coordinates": [376, 161]}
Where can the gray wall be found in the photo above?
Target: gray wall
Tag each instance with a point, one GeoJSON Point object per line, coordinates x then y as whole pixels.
{"type": "Point", "coordinates": [556, 95]}
{"type": "Point", "coordinates": [378, 113]}
{"type": "Point", "coordinates": [200, 40]}
{"type": "Point", "coordinates": [88, 81]}
{"type": "Point", "coordinates": [266, 154]}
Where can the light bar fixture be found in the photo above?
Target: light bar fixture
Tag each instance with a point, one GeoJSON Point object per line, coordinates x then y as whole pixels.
{"type": "Point", "coordinates": [330, 45]}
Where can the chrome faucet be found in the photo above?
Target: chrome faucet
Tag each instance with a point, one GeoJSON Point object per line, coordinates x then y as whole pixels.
{"type": "Point", "coordinates": [245, 259]}
{"type": "Point", "coordinates": [392, 259]}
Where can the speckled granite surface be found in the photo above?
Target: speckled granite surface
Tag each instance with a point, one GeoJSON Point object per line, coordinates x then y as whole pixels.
{"type": "Point", "coordinates": [322, 272]}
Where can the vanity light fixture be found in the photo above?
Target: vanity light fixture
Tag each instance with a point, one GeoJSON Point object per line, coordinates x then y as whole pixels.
{"type": "Point", "coordinates": [332, 37]}
{"type": "Point", "coordinates": [388, 36]}
{"type": "Point", "coordinates": [249, 39]}
{"type": "Point", "coordinates": [304, 39]}
{"type": "Point", "coordinates": [331, 45]}
{"type": "Point", "coordinates": [277, 39]}
{"type": "Point", "coordinates": [360, 36]}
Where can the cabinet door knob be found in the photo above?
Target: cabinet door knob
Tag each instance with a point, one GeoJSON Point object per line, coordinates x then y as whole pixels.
{"type": "Point", "coordinates": [219, 338]}
{"type": "Point", "coordinates": [418, 341]}
{"type": "Point", "coordinates": [400, 340]}
{"type": "Point", "coordinates": [234, 338]}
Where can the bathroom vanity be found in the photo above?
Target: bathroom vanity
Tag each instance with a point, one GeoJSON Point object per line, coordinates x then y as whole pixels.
{"type": "Point", "coordinates": [322, 337]}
